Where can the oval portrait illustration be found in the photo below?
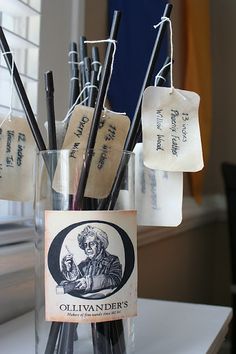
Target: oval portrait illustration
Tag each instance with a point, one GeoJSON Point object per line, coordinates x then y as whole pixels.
{"type": "Point", "coordinates": [91, 259]}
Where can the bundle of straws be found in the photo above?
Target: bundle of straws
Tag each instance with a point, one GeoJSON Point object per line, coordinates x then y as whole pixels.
{"type": "Point", "coordinates": [108, 337]}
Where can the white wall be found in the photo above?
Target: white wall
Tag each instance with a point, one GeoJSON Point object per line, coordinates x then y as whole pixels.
{"type": "Point", "coordinates": [223, 146]}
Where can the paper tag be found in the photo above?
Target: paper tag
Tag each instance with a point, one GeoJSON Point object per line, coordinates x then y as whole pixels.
{"type": "Point", "coordinates": [158, 194]}
{"type": "Point", "coordinates": [110, 141]}
{"type": "Point", "coordinates": [90, 265]}
{"type": "Point", "coordinates": [17, 151]}
{"type": "Point", "coordinates": [171, 134]}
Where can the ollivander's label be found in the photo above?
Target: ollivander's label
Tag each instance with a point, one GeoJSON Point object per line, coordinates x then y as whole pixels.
{"type": "Point", "coordinates": [90, 265]}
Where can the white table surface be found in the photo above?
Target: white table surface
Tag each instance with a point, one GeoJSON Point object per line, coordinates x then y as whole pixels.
{"type": "Point", "coordinates": [162, 327]}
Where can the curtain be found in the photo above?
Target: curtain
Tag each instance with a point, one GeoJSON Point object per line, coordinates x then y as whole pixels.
{"type": "Point", "coordinates": [197, 75]}
{"type": "Point", "coordinates": [136, 38]}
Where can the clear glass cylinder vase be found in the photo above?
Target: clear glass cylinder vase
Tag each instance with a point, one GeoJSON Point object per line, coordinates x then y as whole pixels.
{"type": "Point", "coordinates": [85, 254]}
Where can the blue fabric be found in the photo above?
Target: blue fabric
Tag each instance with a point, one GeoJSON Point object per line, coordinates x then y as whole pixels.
{"type": "Point", "coordinates": [136, 38]}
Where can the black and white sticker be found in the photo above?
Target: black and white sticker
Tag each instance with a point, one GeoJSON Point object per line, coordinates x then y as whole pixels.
{"type": "Point", "coordinates": [90, 265]}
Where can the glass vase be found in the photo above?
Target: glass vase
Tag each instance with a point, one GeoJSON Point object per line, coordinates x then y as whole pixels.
{"type": "Point", "coordinates": [86, 272]}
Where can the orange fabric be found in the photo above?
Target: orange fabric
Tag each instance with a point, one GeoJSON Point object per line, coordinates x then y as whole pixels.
{"type": "Point", "coordinates": [198, 75]}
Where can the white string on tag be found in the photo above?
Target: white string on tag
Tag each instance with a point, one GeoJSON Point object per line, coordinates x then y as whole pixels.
{"type": "Point", "coordinates": [96, 62]}
{"type": "Point", "coordinates": [77, 99]}
{"type": "Point", "coordinates": [72, 52]}
{"type": "Point", "coordinates": [87, 85]}
{"type": "Point", "coordinates": [99, 72]}
{"type": "Point", "coordinates": [158, 76]}
{"type": "Point", "coordinates": [9, 114]}
{"type": "Point", "coordinates": [164, 19]}
{"type": "Point", "coordinates": [112, 64]}
{"type": "Point", "coordinates": [73, 62]}
{"type": "Point", "coordinates": [113, 112]}
{"type": "Point", "coordinates": [100, 68]}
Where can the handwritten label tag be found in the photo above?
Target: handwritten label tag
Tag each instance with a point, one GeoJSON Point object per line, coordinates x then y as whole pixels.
{"type": "Point", "coordinates": [158, 194]}
{"type": "Point", "coordinates": [109, 144]}
{"type": "Point", "coordinates": [171, 133]}
{"type": "Point", "coordinates": [17, 151]}
{"type": "Point", "coordinates": [90, 265]}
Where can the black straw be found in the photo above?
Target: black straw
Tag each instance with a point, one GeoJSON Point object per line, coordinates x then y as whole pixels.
{"type": "Point", "coordinates": [74, 73]}
{"type": "Point", "coordinates": [21, 92]}
{"type": "Point", "coordinates": [53, 337]}
{"type": "Point", "coordinates": [98, 110]}
{"type": "Point", "coordinates": [95, 59]}
{"type": "Point", "coordinates": [87, 76]}
{"type": "Point", "coordinates": [82, 55]}
{"type": "Point", "coordinates": [66, 340]}
{"type": "Point", "coordinates": [136, 121]}
{"type": "Point", "coordinates": [93, 89]}
{"type": "Point", "coordinates": [49, 88]}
